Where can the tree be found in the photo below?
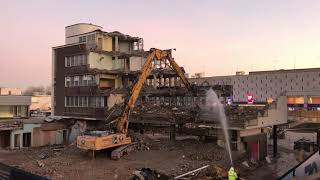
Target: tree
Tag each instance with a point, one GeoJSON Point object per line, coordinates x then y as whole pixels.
{"type": "Point", "coordinates": [37, 89]}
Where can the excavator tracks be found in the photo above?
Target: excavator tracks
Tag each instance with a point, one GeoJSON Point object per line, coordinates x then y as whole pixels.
{"type": "Point", "coordinates": [123, 150]}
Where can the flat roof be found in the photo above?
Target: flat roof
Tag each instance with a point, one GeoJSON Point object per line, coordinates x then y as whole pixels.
{"type": "Point", "coordinates": [31, 120]}
{"type": "Point", "coordinates": [286, 71]}
{"type": "Point", "coordinates": [68, 45]}
{"type": "Point", "coordinates": [15, 100]}
{"type": "Point", "coordinates": [83, 24]}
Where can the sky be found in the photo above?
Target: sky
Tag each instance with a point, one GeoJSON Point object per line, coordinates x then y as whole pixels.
{"type": "Point", "coordinates": [211, 36]}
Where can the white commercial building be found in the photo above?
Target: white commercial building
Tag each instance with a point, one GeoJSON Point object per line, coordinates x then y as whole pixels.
{"type": "Point", "coordinates": [267, 85]}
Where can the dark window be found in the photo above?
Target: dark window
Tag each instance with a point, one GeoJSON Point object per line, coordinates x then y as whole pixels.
{"type": "Point", "coordinates": [26, 139]}
{"type": "Point", "coordinates": [17, 140]}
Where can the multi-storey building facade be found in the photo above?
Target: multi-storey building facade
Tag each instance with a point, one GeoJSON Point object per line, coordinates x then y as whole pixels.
{"type": "Point", "coordinates": [266, 85]}
{"type": "Point", "coordinates": [300, 86]}
{"type": "Point", "coordinates": [89, 65]}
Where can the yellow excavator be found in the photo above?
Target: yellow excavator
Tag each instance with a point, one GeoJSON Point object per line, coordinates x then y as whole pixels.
{"type": "Point", "coordinates": [120, 139]}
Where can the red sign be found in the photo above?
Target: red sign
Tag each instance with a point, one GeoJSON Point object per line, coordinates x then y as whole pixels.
{"type": "Point", "coordinates": [250, 99]}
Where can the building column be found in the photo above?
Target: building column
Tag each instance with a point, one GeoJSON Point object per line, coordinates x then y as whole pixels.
{"type": "Point", "coordinates": [161, 84]}
{"type": "Point", "coordinates": [172, 132]}
{"type": "Point", "coordinates": [275, 138]}
{"type": "Point", "coordinates": [154, 81]}
{"type": "Point", "coordinates": [116, 43]}
{"type": "Point", "coordinates": [318, 139]}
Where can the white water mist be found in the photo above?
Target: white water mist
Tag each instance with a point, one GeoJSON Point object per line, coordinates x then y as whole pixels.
{"type": "Point", "coordinates": [215, 105]}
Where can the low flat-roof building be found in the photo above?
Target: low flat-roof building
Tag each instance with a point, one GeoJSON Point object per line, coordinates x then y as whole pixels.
{"type": "Point", "coordinates": [14, 106]}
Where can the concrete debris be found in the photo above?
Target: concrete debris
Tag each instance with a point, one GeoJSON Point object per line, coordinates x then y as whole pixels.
{"type": "Point", "coordinates": [245, 163]}
{"type": "Point", "coordinates": [268, 159]}
{"type": "Point", "coordinates": [43, 156]}
{"type": "Point", "coordinates": [148, 174]}
{"type": "Point", "coordinates": [40, 163]}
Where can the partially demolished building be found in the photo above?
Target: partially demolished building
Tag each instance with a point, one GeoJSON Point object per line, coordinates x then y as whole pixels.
{"type": "Point", "coordinates": [88, 66]}
{"type": "Point", "coordinates": [92, 76]}
{"type": "Point", "coordinates": [95, 69]}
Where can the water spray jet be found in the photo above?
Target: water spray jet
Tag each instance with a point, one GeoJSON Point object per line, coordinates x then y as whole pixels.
{"type": "Point", "coordinates": [214, 103]}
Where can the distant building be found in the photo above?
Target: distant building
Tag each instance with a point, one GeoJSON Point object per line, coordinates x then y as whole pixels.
{"type": "Point", "coordinates": [40, 105]}
{"type": "Point", "coordinates": [13, 106]}
{"type": "Point", "coordinates": [10, 91]}
{"type": "Point", "coordinates": [197, 75]}
{"type": "Point", "coordinates": [267, 84]}
{"type": "Point", "coordinates": [19, 130]}
{"type": "Point", "coordinates": [301, 86]}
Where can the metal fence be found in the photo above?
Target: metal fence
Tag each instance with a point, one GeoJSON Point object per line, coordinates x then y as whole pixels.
{"type": "Point", "coordinates": [12, 173]}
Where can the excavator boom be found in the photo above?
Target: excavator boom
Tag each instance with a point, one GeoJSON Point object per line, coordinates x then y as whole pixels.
{"type": "Point", "coordinates": [155, 55]}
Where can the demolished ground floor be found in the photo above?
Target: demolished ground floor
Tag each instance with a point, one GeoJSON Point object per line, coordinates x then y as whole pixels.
{"type": "Point", "coordinates": [156, 152]}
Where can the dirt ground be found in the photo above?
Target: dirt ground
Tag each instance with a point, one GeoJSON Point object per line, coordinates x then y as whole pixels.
{"type": "Point", "coordinates": [170, 157]}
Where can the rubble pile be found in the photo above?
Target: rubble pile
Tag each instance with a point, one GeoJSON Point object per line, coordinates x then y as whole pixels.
{"type": "Point", "coordinates": [237, 115]}
{"type": "Point", "coordinates": [148, 174]}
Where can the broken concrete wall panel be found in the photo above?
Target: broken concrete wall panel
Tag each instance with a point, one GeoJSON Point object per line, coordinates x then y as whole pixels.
{"type": "Point", "coordinates": [118, 63]}
{"type": "Point", "coordinates": [99, 61]}
{"type": "Point", "coordinates": [77, 129]}
{"type": "Point", "coordinates": [125, 46]}
{"type": "Point", "coordinates": [104, 42]}
{"type": "Point", "coordinates": [277, 114]}
{"type": "Point", "coordinates": [41, 138]}
{"type": "Point", "coordinates": [136, 63]}
{"type": "Point", "coordinates": [114, 99]}
{"type": "Point", "coordinates": [45, 138]}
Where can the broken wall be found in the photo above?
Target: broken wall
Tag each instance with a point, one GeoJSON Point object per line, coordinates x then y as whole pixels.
{"type": "Point", "coordinates": [49, 134]}
{"type": "Point", "coordinates": [100, 61]}
{"type": "Point", "coordinates": [118, 64]}
{"type": "Point", "coordinates": [77, 129]}
{"type": "Point", "coordinates": [114, 99]}
{"type": "Point", "coordinates": [125, 47]}
{"type": "Point", "coordinates": [44, 138]}
{"type": "Point", "coordinates": [276, 114]}
{"type": "Point", "coordinates": [136, 63]}
{"type": "Point", "coordinates": [27, 128]}
{"type": "Point", "coordinates": [104, 43]}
